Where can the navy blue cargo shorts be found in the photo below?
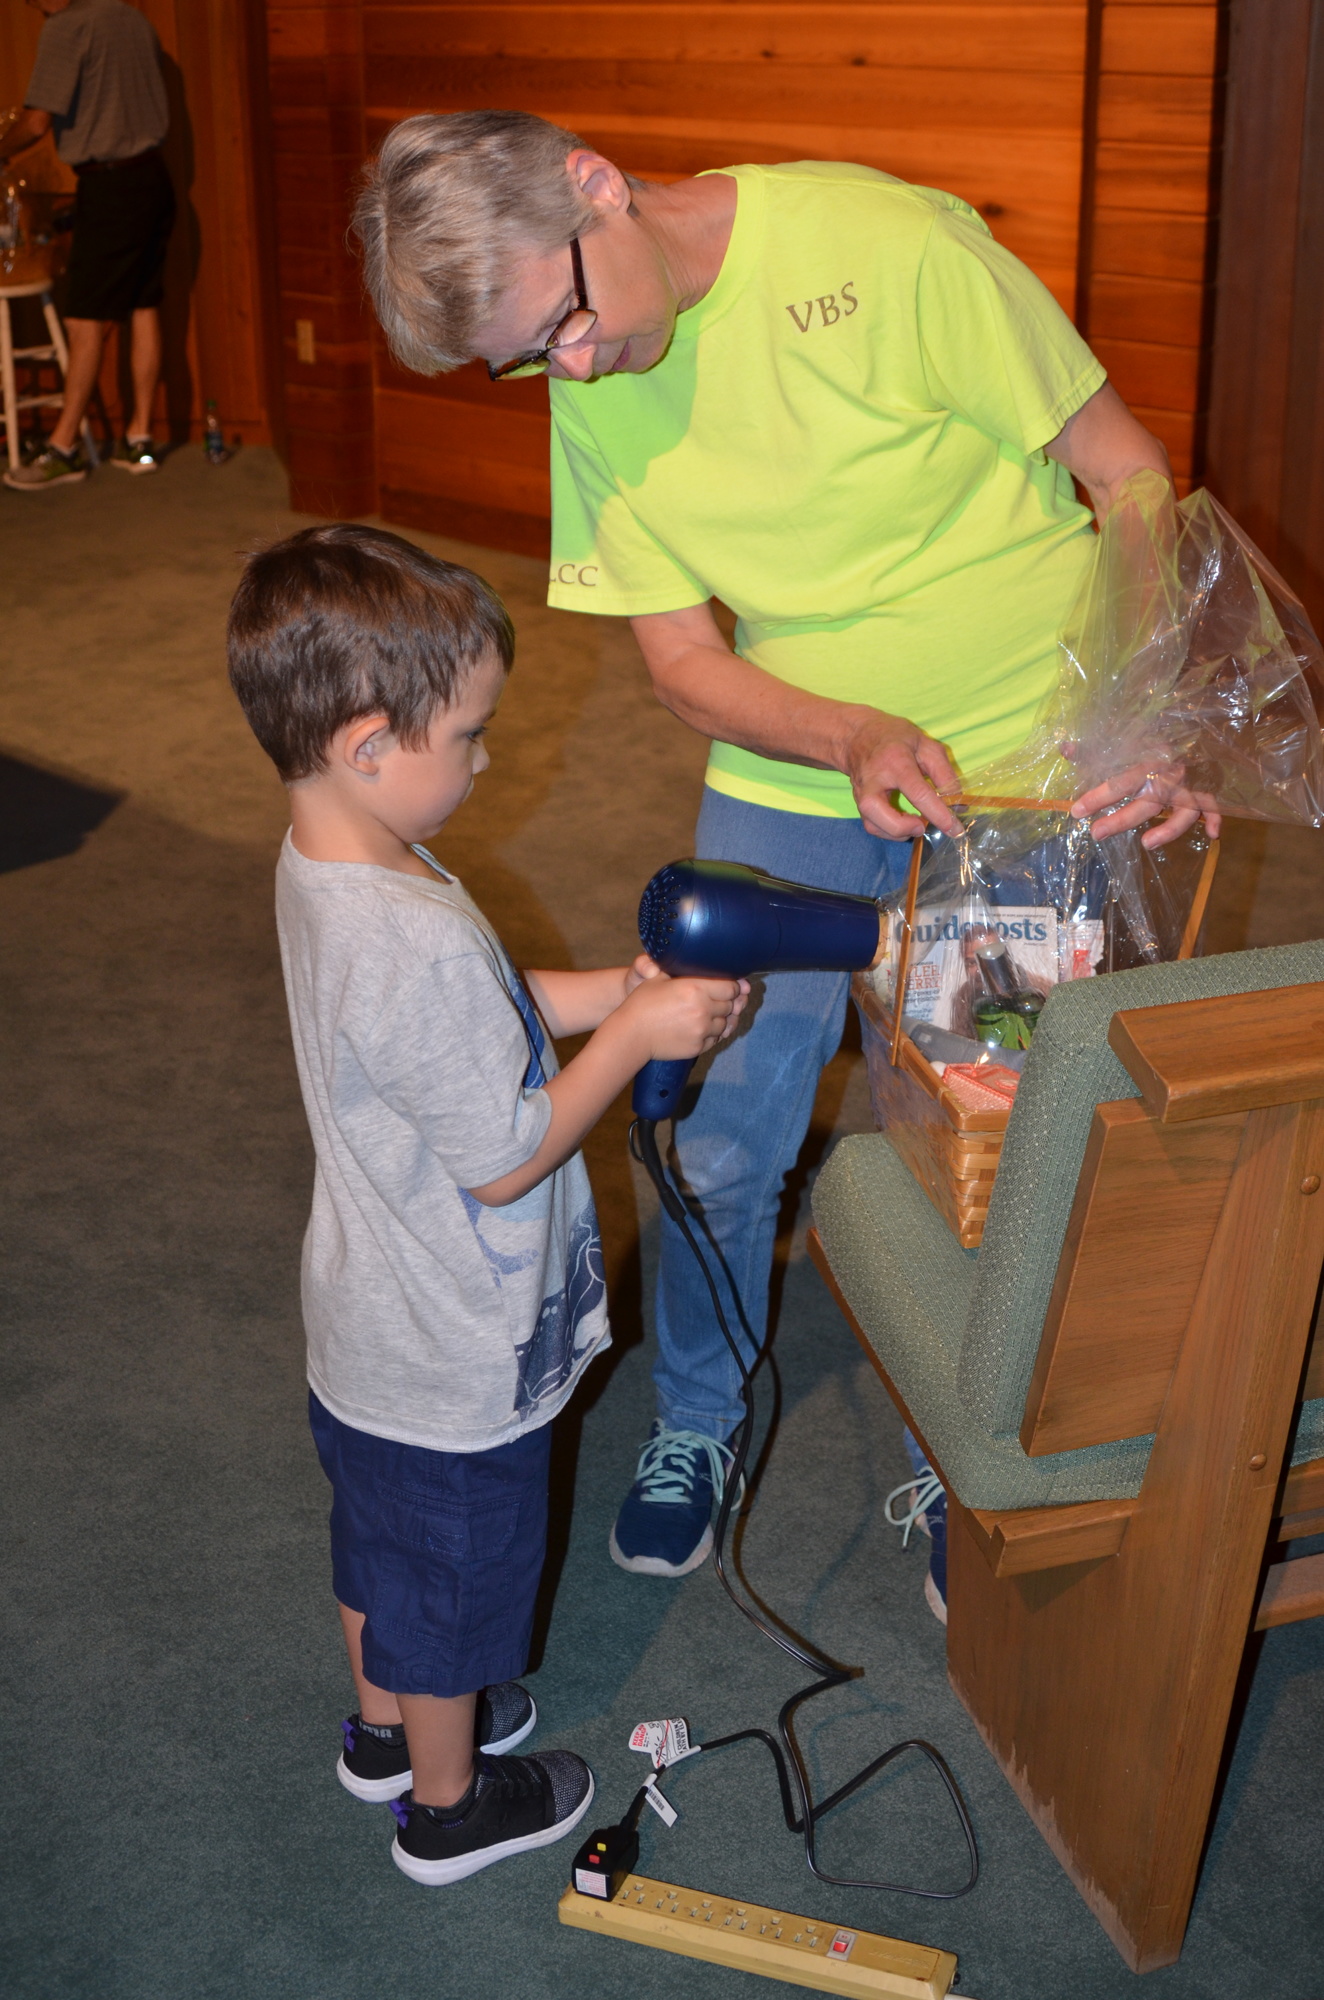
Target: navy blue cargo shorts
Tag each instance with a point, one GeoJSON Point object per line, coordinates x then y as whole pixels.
{"type": "Point", "coordinates": [441, 1551]}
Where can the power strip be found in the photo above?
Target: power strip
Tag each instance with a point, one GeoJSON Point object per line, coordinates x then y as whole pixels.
{"type": "Point", "coordinates": [754, 1939]}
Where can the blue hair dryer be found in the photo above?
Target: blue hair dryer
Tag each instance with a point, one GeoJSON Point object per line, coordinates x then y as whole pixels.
{"type": "Point", "coordinates": [719, 919]}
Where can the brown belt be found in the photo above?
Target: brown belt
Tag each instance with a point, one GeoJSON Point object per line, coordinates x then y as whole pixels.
{"type": "Point", "coordinates": [109, 166]}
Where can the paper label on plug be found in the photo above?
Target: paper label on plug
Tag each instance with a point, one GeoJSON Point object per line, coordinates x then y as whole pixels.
{"type": "Point", "coordinates": [665, 1742]}
{"type": "Point", "coordinates": [661, 1805]}
{"type": "Point", "coordinates": [649, 1738]}
{"type": "Point", "coordinates": [676, 1742]}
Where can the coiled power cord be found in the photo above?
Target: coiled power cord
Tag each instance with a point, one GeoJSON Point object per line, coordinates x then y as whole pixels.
{"type": "Point", "coordinates": [799, 1809]}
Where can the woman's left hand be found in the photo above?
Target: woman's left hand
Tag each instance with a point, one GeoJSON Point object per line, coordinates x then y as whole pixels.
{"type": "Point", "coordinates": [1138, 794]}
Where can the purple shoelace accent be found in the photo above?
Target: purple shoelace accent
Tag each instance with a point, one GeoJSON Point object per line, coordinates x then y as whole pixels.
{"type": "Point", "coordinates": [401, 1812]}
{"type": "Point", "coordinates": [347, 1729]}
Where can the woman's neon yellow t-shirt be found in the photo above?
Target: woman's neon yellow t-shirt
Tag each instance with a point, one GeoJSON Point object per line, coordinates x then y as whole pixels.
{"type": "Point", "coordinates": [844, 444]}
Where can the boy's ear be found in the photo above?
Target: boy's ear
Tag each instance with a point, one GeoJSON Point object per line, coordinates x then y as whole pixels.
{"type": "Point", "coordinates": [363, 743]}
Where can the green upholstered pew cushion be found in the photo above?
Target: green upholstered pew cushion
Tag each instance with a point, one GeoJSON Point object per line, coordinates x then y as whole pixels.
{"type": "Point", "coordinates": [956, 1331]}
{"type": "Point", "coordinates": [1070, 1068]}
{"type": "Point", "coordinates": [909, 1284]}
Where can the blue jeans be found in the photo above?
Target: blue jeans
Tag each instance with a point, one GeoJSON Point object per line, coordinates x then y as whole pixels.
{"type": "Point", "coordinates": [741, 1138]}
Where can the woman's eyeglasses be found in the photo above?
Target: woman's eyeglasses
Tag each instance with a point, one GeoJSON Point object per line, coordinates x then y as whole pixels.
{"type": "Point", "coordinates": [580, 320]}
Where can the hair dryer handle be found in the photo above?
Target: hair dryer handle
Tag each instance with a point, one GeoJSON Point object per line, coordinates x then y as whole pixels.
{"type": "Point", "coordinates": [658, 1088]}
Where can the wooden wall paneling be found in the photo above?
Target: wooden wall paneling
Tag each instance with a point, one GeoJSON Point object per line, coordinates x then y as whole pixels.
{"type": "Point", "coordinates": [230, 301]}
{"type": "Point", "coordinates": [1266, 438]}
{"type": "Point", "coordinates": [1145, 298]}
{"type": "Point", "coordinates": [460, 455]}
{"type": "Point", "coordinates": [980, 99]}
{"type": "Point", "coordinates": [256, 85]}
{"type": "Point", "coordinates": [20, 31]}
{"type": "Point", "coordinates": [1301, 515]}
{"type": "Point", "coordinates": [314, 53]}
{"type": "Point", "coordinates": [882, 34]}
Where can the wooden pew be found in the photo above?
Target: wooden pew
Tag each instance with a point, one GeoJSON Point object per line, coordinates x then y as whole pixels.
{"type": "Point", "coordinates": [1098, 1646]}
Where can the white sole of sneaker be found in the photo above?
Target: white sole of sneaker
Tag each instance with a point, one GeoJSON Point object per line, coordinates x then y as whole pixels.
{"type": "Point", "coordinates": [380, 1791]}
{"type": "Point", "coordinates": [374, 1791]}
{"type": "Point", "coordinates": [654, 1565]}
{"type": "Point", "coordinates": [509, 1742]}
{"type": "Point", "coordinates": [47, 485]}
{"type": "Point", "coordinates": [435, 1874]}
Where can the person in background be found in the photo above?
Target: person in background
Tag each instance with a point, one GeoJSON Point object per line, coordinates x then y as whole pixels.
{"type": "Point", "coordinates": [97, 83]}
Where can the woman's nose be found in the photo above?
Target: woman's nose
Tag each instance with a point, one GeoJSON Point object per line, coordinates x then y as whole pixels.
{"type": "Point", "coordinates": [576, 363]}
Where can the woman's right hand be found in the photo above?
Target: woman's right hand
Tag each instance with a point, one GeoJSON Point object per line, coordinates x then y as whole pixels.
{"type": "Point", "coordinates": [888, 757]}
{"type": "Point", "coordinates": [677, 1019]}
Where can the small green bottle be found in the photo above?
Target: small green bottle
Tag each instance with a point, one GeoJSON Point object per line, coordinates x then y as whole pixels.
{"type": "Point", "coordinates": [1003, 1011]}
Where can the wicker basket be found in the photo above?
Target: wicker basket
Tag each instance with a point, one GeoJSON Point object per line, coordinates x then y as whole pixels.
{"type": "Point", "coordinates": [952, 1151]}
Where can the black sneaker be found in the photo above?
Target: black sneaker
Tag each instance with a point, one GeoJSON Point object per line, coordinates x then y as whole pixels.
{"type": "Point", "coordinates": [506, 1715]}
{"type": "Point", "coordinates": [136, 455]}
{"type": "Point", "coordinates": [50, 467]}
{"type": "Point", "coordinates": [514, 1804]}
{"type": "Point", "coordinates": [374, 1764]}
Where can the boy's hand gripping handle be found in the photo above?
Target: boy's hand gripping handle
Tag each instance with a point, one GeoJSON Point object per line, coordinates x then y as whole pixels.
{"type": "Point", "coordinates": [658, 1087]}
{"type": "Point", "coordinates": [716, 918]}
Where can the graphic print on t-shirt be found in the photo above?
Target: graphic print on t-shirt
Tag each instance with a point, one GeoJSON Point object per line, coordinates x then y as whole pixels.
{"type": "Point", "coordinates": [535, 1076]}
{"type": "Point", "coordinates": [547, 1358]}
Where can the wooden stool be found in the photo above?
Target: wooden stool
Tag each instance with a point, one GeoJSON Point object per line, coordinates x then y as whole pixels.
{"type": "Point", "coordinates": [56, 350]}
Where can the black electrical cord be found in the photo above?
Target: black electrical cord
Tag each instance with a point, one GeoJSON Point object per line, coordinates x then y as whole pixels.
{"type": "Point", "coordinates": [791, 1773]}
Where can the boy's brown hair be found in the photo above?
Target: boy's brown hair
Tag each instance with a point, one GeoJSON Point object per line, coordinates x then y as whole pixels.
{"type": "Point", "coordinates": [342, 621]}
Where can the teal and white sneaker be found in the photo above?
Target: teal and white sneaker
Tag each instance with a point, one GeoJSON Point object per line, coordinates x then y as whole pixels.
{"type": "Point", "coordinates": [923, 1503]}
{"type": "Point", "coordinates": [49, 468]}
{"type": "Point", "coordinates": [664, 1527]}
{"type": "Point", "coordinates": [136, 455]}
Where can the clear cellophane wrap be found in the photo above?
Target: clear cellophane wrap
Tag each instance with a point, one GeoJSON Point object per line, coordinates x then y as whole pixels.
{"type": "Point", "coordinates": [1188, 671]}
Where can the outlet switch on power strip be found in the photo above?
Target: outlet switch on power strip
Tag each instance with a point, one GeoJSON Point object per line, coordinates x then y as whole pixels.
{"type": "Point", "coordinates": [753, 1939]}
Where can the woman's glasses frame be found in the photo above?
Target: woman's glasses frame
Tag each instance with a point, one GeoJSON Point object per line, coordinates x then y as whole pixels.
{"type": "Point", "coordinates": [559, 336]}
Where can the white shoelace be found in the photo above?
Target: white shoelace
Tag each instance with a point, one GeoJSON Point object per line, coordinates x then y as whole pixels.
{"type": "Point", "coordinates": [666, 1468]}
{"type": "Point", "coordinates": [923, 1489]}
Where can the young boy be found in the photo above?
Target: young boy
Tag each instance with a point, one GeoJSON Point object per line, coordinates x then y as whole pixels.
{"type": "Point", "coordinates": [452, 1272]}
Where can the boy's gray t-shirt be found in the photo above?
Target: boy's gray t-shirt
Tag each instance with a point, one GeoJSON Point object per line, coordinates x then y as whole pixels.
{"type": "Point", "coordinates": [430, 1318]}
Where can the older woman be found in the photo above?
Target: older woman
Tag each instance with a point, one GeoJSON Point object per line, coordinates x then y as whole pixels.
{"type": "Point", "coordinates": [830, 400]}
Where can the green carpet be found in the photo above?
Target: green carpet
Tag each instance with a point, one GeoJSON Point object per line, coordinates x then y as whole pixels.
{"type": "Point", "coordinates": [173, 1680]}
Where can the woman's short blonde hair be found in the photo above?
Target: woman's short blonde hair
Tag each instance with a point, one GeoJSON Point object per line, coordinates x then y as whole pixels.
{"type": "Point", "coordinates": [446, 212]}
